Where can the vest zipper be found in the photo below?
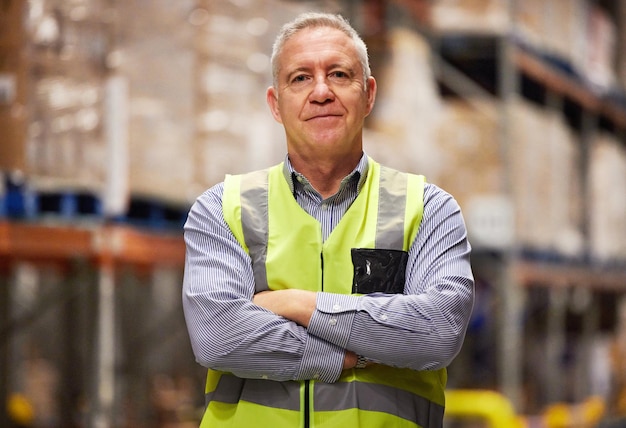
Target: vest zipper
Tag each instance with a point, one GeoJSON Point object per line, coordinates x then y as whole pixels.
{"type": "Point", "coordinates": [322, 261]}
{"type": "Point", "coordinates": [307, 404]}
{"type": "Point", "coordinates": [307, 383]}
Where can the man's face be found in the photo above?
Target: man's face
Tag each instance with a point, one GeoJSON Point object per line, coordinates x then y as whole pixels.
{"type": "Point", "coordinates": [321, 98]}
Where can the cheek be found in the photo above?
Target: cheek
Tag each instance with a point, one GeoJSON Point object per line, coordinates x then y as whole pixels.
{"type": "Point", "coordinates": [289, 110]}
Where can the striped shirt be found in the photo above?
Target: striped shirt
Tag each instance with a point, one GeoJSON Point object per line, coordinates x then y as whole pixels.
{"type": "Point", "coordinates": [421, 329]}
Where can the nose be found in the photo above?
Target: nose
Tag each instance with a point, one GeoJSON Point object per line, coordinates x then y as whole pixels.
{"type": "Point", "coordinates": [321, 91]}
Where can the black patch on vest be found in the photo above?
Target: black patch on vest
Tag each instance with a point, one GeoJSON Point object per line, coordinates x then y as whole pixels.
{"type": "Point", "coordinates": [378, 270]}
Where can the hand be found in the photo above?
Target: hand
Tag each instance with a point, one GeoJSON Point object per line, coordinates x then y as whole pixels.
{"type": "Point", "coordinates": [298, 306]}
{"type": "Point", "coordinates": [349, 360]}
{"type": "Point", "coordinates": [293, 304]}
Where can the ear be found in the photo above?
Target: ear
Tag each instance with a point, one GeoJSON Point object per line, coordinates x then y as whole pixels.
{"type": "Point", "coordinates": [371, 94]}
{"type": "Point", "coordinates": [271, 96]}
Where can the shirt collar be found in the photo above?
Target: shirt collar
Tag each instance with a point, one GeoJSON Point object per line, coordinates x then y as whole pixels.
{"type": "Point", "coordinates": [360, 172]}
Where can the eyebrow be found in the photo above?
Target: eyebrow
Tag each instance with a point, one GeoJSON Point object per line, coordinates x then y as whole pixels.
{"type": "Point", "coordinates": [296, 71]}
{"type": "Point", "coordinates": [350, 70]}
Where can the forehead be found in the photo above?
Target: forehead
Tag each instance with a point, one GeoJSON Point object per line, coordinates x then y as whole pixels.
{"type": "Point", "coordinates": [318, 43]}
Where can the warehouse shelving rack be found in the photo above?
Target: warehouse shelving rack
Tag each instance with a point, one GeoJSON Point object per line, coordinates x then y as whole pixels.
{"type": "Point", "coordinates": [498, 68]}
{"type": "Point", "coordinates": [107, 250]}
{"type": "Point", "coordinates": [517, 71]}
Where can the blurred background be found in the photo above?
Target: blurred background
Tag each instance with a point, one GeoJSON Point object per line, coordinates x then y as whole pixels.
{"type": "Point", "coordinates": [115, 115]}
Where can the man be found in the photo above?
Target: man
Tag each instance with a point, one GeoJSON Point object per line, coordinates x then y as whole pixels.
{"type": "Point", "coordinates": [329, 290]}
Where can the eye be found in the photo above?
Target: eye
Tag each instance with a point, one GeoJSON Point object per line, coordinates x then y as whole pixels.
{"type": "Point", "coordinates": [300, 79]}
{"type": "Point", "coordinates": [339, 76]}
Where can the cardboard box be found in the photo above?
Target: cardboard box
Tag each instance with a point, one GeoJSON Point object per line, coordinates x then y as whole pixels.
{"type": "Point", "coordinates": [12, 149]}
{"type": "Point", "coordinates": [13, 111]}
{"type": "Point", "coordinates": [12, 14]}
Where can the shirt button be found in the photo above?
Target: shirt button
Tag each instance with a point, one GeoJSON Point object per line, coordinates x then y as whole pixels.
{"type": "Point", "coordinates": [265, 376]}
{"type": "Point", "coordinates": [384, 317]}
{"type": "Point", "coordinates": [336, 307]}
{"type": "Point", "coordinates": [316, 376]}
{"type": "Point", "coordinates": [332, 321]}
{"type": "Point", "coordinates": [324, 207]}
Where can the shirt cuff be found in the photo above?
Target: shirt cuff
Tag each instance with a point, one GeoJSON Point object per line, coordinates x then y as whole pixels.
{"type": "Point", "coordinates": [333, 317]}
{"type": "Point", "coordinates": [321, 361]}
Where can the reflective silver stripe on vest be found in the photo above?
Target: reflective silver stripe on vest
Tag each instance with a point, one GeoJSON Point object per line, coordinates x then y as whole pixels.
{"type": "Point", "coordinates": [391, 208]}
{"type": "Point", "coordinates": [378, 398]}
{"type": "Point", "coordinates": [330, 397]}
{"type": "Point", "coordinates": [254, 219]}
{"type": "Point", "coordinates": [254, 216]}
{"type": "Point", "coordinates": [279, 395]}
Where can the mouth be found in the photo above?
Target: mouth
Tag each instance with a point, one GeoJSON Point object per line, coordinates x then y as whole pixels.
{"type": "Point", "coordinates": [323, 116]}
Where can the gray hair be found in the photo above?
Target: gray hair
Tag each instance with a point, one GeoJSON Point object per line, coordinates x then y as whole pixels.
{"type": "Point", "coordinates": [313, 20]}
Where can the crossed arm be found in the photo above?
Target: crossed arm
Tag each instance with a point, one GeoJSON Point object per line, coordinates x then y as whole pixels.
{"type": "Point", "coordinates": [297, 306]}
{"type": "Point", "coordinates": [295, 334]}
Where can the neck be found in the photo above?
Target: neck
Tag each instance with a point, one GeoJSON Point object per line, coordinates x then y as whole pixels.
{"type": "Point", "coordinates": [325, 175]}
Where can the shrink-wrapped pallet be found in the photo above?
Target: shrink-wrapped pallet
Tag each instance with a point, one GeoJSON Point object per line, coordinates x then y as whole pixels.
{"type": "Point", "coordinates": [557, 28]}
{"type": "Point", "coordinates": [581, 37]}
{"type": "Point", "coordinates": [402, 127]}
{"type": "Point", "coordinates": [191, 75]}
{"type": "Point", "coordinates": [576, 36]}
{"type": "Point", "coordinates": [157, 58]}
{"type": "Point", "coordinates": [476, 16]}
{"type": "Point", "coordinates": [539, 163]}
{"type": "Point", "coordinates": [469, 151]}
{"type": "Point", "coordinates": [197, 73]}
{"type": "Point", "coordinates": [68, 45]}
{"type": "Point", "coordinates": [13, 89]}
{"type": "Point", "coordinates": [607, 204]}
{"type": "Point", "coordinates": [546, 180]}
{"type": "Point", "coordinates": [621, 46]}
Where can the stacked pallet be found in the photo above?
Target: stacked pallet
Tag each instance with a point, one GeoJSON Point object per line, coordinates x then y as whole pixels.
{"type": "Point", "coordinates": [235, 130]}
{"type": "Point", "coordinates": [608, 203]}
{"type": "Point", "coordinates": [13, 86]}
{"type": "Point", "coordinates": [55, 139]}
{"type": "Point", "coordinates": [197, 73]}
{"type": "Point", "coordinates": [131, 112]}
{"type": "Point", "coordinates": [541, 160]}
{"type": "Point", "coordinates": [577, 35]}
{"type": "Point", "coordinates": [407, 110]}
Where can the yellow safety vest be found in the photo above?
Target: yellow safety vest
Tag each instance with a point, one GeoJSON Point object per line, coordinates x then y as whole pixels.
{"type": "Point", "coordinates": [285, 242]}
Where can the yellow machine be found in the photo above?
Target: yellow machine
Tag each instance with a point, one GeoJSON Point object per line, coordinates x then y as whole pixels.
{"type": "Point", "coordinates": [488, 406]}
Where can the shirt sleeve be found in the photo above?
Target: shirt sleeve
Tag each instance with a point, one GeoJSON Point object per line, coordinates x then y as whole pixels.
{"type": "Point", "coordinates": [227, 331]}
{"type": "Point", "coordinates": [424, 327]}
